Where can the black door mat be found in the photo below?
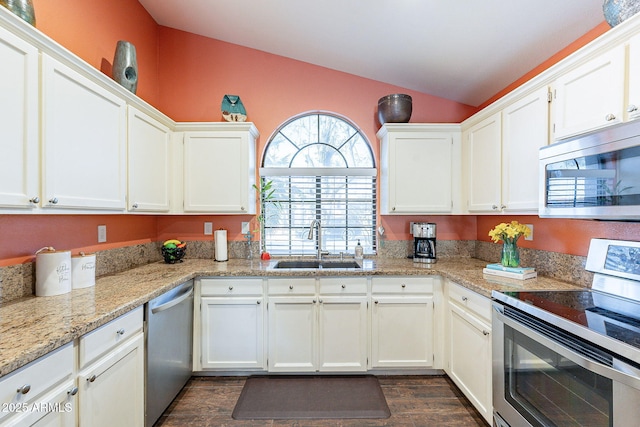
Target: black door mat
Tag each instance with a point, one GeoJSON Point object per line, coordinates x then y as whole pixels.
{"type": "Point", "coordinates": [311, 397]}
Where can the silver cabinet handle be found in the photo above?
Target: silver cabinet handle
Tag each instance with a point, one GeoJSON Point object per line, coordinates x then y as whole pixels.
{"type": "Point", "coordinates": [134, 206]}
{"type": "Point", "coordinates": [610, 117]}
{"type": "Point", "coordinates": [393, 208]}
{"type": "Point", "coordinates": [291, 287]}
{"type": "Point", "coordinates": [344, 286]}
{"type": "Point", "coordinates": [314, 301]}
{"type": "Point", "coordinates": [375, 302]}
{"type": "Point", "coordinates": [230, 288]}
{"type": "Point", "coordinates": [120, 331]}
{"type": "Point", "coordinates": [494, 207]}
{"type": "Point", "coordinates": [403, 286]}
{"type": "Point", "coordinates": [72, 391]}
{"type": "Point", "coordinates": [503, 207]}
{"type": "Point", "coordinates": [53, 201]}
{"type": "Point", "coordinates": [258, 302]}
{"type": "Point", "coordinates": [241, 208]}
{"type": "Point", "coordinates": [464, 299]}
{"type": "Point", "coordinates": [24, 389]}
{"type": "Point", "coordinates": [320, 301]}
{"type": "Point", "coordinates": [92, 378]}
{"type": "Point", "coordinates": [485, 333]}
{"type": "Point", "coordinates": [34, 200]}
{"type": "Point", "coordinates": [631, 108]}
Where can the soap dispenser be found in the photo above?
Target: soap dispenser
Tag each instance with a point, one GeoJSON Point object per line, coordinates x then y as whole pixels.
{"type": "Point", "coordinates": [359, 250]}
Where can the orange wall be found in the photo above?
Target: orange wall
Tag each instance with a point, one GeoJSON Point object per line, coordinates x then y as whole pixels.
{"type": "Point", "coordinates": [91, 29]}
{"type": "Point", "coordinates": [185, 76]}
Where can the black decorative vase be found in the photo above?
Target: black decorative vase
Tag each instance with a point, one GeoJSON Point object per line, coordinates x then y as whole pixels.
{"type": "Point", "coordinates": [21, 8]}
{"type": "Point", "coordinates": [616, 11]}
{"type": "Point", "coordinates": [125, 66]}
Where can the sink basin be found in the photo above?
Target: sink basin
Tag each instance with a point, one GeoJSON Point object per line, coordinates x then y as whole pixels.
{"type": "Point", "coordinates": [316, 264]}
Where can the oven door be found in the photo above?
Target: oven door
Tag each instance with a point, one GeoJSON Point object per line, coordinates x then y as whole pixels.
{"type": "Point", "coordinates": [545, 377]}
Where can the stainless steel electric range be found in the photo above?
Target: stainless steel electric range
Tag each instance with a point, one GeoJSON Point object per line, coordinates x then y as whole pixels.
{"type": "Point", "coordinates": [572, 358]}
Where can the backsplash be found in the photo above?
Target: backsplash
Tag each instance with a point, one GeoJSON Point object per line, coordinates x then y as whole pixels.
{"type": "Point", "coordinates": [17, 281]}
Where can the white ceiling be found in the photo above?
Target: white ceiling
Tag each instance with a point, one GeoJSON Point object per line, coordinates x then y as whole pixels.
{"type": "Point", "coordinates": [464, 50]}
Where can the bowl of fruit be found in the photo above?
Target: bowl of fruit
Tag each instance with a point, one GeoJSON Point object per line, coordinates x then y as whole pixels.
{"type": "Point", "coordinates": [173, 251]}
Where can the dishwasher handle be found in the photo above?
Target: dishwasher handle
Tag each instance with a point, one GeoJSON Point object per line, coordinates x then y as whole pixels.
{"type": "Point", "coordinates": [173, 302]}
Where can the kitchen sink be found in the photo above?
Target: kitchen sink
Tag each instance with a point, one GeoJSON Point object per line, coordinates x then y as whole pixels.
{"type": "Point", "coordinates": [316, 264]}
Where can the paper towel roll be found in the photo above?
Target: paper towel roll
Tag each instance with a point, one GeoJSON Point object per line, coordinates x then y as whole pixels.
{"type": "Point", "coordinates": [53, 272]}
{"type": "Point", "coordinates": [83, 270]}
{"type": "Point", "coordinates": [220, 237]}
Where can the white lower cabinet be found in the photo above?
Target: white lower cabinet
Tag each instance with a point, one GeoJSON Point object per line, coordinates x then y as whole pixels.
{"type": "Point", "coordinates": [317, 329]}
{"type": "Point", "coordinates": [111, 387]}
{"type": "Point", "coordinates": [468, 336]}
{"type": "Point", "coordinates": [402, 322]}
{"type": "Point", "coordinates": [41, 393]}
{"type": "Point", "coordinates": [231, 324]}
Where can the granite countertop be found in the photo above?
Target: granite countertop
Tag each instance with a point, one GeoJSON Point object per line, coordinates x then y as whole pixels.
{"type": "Point", "coordinates": [34, 326]}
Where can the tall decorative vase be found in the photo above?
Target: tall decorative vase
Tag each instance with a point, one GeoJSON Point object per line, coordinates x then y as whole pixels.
{"type": "Point", "coordinates": [616, 11]}
{"type": "Point", "coordinates": [125, 66]}
{"type": "Point", "coordinates": [21, 8]}
{"type": "Point", "coordinates": [510, 253]}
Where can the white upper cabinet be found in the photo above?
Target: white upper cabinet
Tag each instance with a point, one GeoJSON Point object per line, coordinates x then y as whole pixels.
{"type": "Point", "coordinates": [420, 168]}
{"type": "Point", "coordinates": [502, 155]}
{"type": "Point", "coordinates": [590, 96]}
{"type": "Point", "coordinates": [83, 141]}
{"type": "Point", "coordinates": [19, 174]}
{"type": "Point", "coordinates": [220, 169]}
{"type": "Point", "coordinates": [525, 128]}
{"type": "Point", "coordinates": [484, 180]}
{"type": "Point", "coordinates": [632, 101]}
{"type": "Point", "coordinates": [149, 166]}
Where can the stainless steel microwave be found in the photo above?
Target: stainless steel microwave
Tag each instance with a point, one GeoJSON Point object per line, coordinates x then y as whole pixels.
{"type": "Point", "coordinates": [595, 175]}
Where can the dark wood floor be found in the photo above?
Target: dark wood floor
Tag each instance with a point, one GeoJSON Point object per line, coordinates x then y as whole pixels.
{"type": "Point", "coordinates": [413, 401]}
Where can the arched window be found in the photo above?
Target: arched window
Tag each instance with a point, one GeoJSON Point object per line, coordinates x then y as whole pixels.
{"type": "Point", "coordinates": [319, 167]}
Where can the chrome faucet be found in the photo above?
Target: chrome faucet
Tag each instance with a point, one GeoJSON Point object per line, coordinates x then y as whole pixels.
{"type": "Point", "coordinates": [316, 223]}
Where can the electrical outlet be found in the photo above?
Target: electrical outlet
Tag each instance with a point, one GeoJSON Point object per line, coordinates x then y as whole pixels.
{"type": "Point", "coordinates": [530, 235]}
{"type": "Point", "coordinates": [245, 228]}
{"type": "Point", "coordinates": [102, 233]}
{"type": "Point", "coordinates": [208, 228]}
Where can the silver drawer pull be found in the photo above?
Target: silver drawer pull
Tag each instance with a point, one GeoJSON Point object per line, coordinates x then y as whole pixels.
{"type": "Point", "coordinates": [24, 389]}
{"type": "Point", "coordinates": [375, 302]}
{"type": "Point", "coordinates": [53, 201]}
{"type": "Point", "coordinates": [258, 302]}
{"type": "Point", "coordinates": [465, 299]}
{"type": "Point", "coordinates": [230, 288]}
{"type": "Point", "coordinates": [631, 108]}
{"type": "Point", "coordinates": [290, 286]}
{"type": "Point", "coordinates": [610, 117]}
{"type": "Point", "coordinates": [344, 286]}
{"type": "Point", "coordinates": [120, 331]}
{"type": "Point", "coordinates": [314, 301]}
{"type": "Point", "coordinates": [485, 333]}
{"type": "Point", "coordinates": [92, 378]}
{"type": "Point", "coordinates": [72, 391]}
{"type": "Point", "coordinates": [320, 301]}
{"type": "Point", "coordinates": [35, 199]}
{"type": "Point", "coordinates": [404, 286]}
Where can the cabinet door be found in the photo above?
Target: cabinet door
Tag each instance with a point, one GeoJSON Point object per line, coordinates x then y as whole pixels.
{"type": "Point", "coordinates": [232, 332]}
{"type": "Point", "coordinates": [402, 332]}
{"type": "Point", "coordinates": [149, 167]}
{"type": "Point", "coordinates": [525, 128]}
{"type": "Point", "coordinates": [292, 334]}
{"type": "Point", "coordinates": [83, 141]}
{"type": "Point", "coordinates": [343, 333]}
{"type": "Point", "coordinates": [633, 83]}
{"type": "Point", "coordinates": [417, 172]}
{"type": "Point", "coordinates": [470, 358]}
{"type": "Point", "coordinates": [19, 174]}
{"type": "Point", "coordinates": [590, 96]}
{"type": "Point", "coordinates": [484, 147]}
{"type": "Point", "coordinates": [219, 170]}
{"type": "Point", "coordinates": [112, 389]}
{"type": "Point", "coordinates": [55, 409]}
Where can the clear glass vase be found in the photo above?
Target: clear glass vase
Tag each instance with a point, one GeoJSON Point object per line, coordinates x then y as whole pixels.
{"type": "Point", "coordinates": [510, 253]}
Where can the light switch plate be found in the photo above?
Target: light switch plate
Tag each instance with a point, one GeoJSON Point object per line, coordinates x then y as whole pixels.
{"type": "Point", "coordinates": [531, 235]}
{"type": "Point", "coordinates": [102, 233]}
{"type": "Point", "coordinates": [245, 228]}
{"type": "Point", "coordinates": [208, 228]}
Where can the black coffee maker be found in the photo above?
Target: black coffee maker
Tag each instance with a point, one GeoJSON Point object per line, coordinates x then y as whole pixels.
{"type": "Point", "coordinates": [424, 242]}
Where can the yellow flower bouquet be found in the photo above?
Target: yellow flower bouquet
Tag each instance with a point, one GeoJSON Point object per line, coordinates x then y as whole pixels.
{"type": "Point", "coordinates": [509, 233]}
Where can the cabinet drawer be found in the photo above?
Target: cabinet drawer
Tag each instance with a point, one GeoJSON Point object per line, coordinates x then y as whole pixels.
{"type": "Point", "coordinates": [292, 286]}
{"type": "Point", "coordinates": [343, 285]}
{"type": "Point", "coordinates": [402, 285]}
{"type": "Point", "coordinates": [35, 379]}
{"type": "Point", "coordinates": [98, 342]}
{"type": "Point", "coordinates": [470, 300]}
{"type": "Point", "coordinates": [230, 287]}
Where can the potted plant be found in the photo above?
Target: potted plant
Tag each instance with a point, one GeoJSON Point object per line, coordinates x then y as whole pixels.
{"type": "Point", "coordinates": [265, 191]}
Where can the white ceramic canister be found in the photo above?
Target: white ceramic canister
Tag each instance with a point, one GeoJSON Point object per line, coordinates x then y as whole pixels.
{"type": "Point", "coordinates": [83, 270]}
{"type": "Point", "coordinates": [53, 272]}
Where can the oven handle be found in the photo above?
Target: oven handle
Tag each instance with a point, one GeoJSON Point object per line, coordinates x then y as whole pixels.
{"type": "Point", "coordinates": [578, 359]}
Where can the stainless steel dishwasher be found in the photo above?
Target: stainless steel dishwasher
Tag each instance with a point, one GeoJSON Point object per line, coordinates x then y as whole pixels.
{"type": "Point", "coordinates": [169, 337]}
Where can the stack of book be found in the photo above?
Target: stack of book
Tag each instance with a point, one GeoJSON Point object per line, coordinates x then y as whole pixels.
{"type": "Point", "coordinates": [510, 272]}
